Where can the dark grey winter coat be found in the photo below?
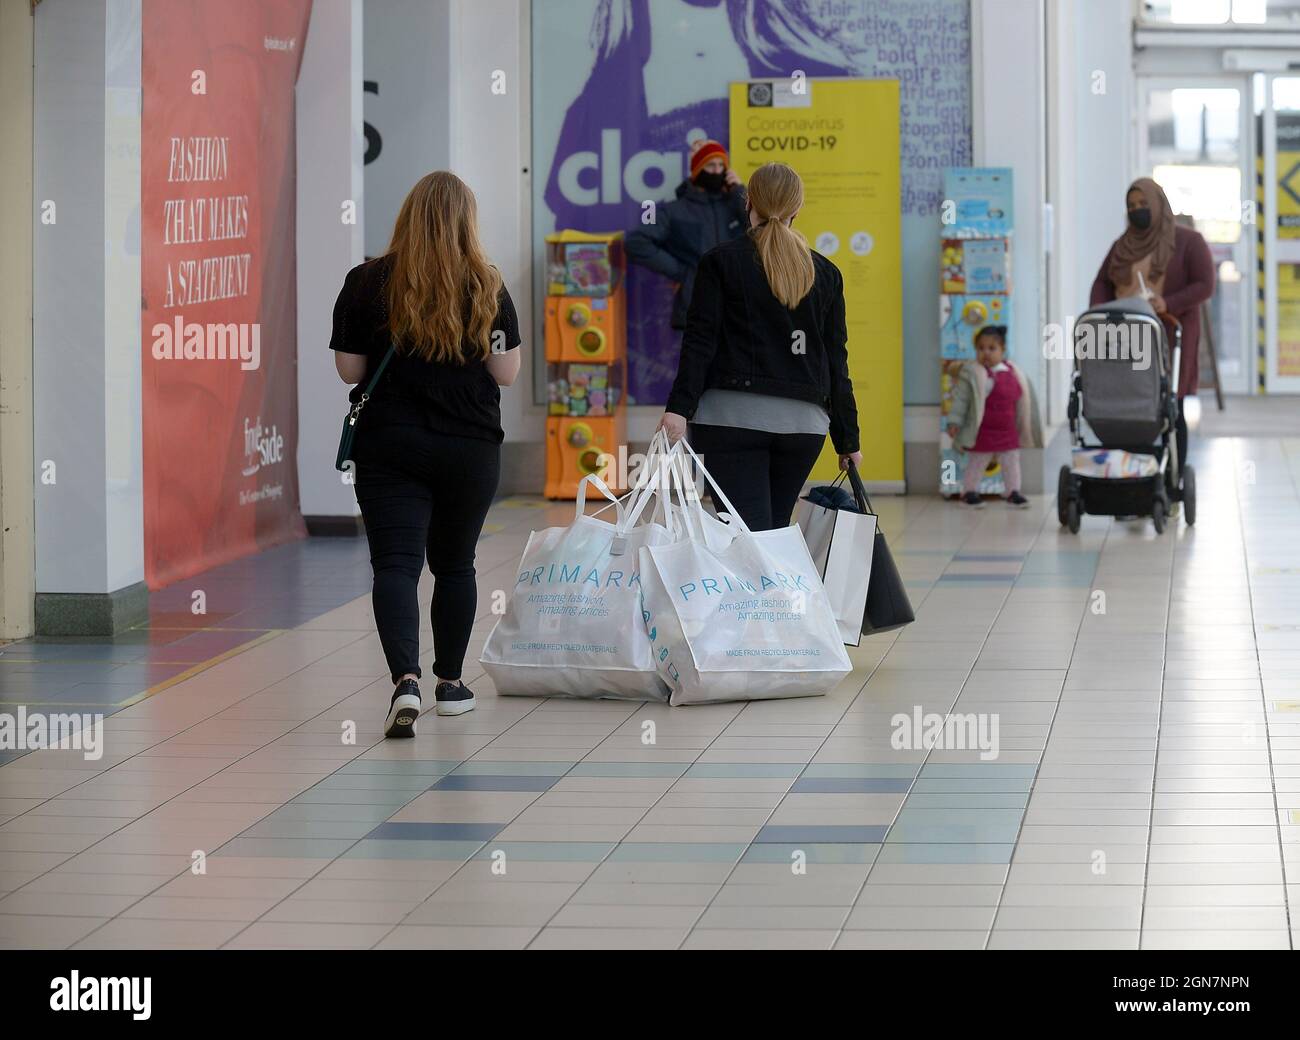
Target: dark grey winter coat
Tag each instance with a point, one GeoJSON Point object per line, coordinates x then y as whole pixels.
{"type": "Point", "coordinates": [683, 231]}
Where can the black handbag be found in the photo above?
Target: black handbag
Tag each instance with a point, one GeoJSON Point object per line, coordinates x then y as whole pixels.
{"type": "Point", "coordinates": [344, 457]}
{"type": "Point", "coordinates": [887, 604]}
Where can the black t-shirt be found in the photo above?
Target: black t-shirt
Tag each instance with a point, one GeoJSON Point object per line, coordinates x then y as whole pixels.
{"type": "Point", "coordinates": [462, 400]}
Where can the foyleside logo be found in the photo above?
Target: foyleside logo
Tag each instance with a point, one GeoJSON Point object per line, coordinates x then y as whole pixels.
{"type": "Point", "coordinates": [262, 447]}
{"type": "Point", "coordinates": [613, 177]}
{"type": "Point", "coordinates": [74, 993]}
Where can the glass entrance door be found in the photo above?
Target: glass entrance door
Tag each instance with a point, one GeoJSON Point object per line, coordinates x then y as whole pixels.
{"type": "Point", "coordinates": [1281, 238]}
{"type": "Point", "coordinates": [1194, 142]}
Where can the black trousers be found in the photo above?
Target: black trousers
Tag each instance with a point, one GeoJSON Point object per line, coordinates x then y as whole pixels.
{"type": "Point", "coordinates": [424, 496]}
{"type": "Point", "coordinates": [762, 473]}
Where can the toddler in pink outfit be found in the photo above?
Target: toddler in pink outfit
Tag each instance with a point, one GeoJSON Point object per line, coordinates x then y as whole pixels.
{"type": "Point", "coordinates": [991, 409]}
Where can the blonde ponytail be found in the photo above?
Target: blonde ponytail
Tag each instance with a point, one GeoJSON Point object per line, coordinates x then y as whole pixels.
{"type": "Point", "coordinates": [776, 194]}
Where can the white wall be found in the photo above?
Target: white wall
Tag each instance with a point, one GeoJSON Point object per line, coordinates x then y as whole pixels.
{"type": "Point", "coordinates": [17, 526]}
{"type": "Point", "coordinates": [1008, 125]}
{"type": "Point", "coordinates": [86, 297]}
{"type": "Point", "coordinates": [490, 147]}
{"type": "Point", "coordinates": [123, 427]}
{"type": "Point", "coordinates": [1054, 95]}
{"type": "Point", "coordinates": [435, 109]}
{"type": "Point", "coordinates": [330, 147]}
{"type": "Point", "coordinates": [408, 57]}
{"type": "Point", "coordinates": [1092, 111]}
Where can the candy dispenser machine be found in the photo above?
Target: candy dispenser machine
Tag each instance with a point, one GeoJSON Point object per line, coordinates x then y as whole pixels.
{"type": "Point", "coordinates": [586, 358]}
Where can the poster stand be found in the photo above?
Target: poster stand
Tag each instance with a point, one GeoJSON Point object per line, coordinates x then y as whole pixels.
{"type": "Point", "coordinates": [975, 291]}
{"type": "Point", "coordinates": [842, 137]}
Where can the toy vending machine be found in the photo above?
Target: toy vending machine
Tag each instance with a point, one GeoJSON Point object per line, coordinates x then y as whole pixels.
{"type": "Point", "coordinates": [586, 358]}
{"type": "Point", "coordinates": [975, 291]}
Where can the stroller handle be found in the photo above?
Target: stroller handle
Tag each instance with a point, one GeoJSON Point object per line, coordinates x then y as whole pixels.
{"type": "Point", "coordinates": [1176, 350]}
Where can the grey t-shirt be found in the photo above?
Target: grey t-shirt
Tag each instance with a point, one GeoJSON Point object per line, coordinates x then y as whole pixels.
{"type": "Point", "coordinates": [760, 412]}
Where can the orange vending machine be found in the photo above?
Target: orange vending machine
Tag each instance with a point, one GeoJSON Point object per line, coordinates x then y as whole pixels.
{"type": "Point", "coordinates": [586, 358]}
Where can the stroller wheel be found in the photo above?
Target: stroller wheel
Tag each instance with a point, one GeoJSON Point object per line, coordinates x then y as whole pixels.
{"type": "Point", "coordinates": [1189, 495]}
{"type": "Point", "coordinates": [1159, 513]}
{"type": "Point", "coordinates": [1063, 494]}
{"type": "Point", "coordinates": [1072, 515]}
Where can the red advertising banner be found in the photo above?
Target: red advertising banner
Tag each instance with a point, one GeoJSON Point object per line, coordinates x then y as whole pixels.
{"type": "Point", "coordinates": [218, 279]}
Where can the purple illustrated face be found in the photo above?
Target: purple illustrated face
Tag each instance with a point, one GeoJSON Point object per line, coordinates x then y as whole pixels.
{"type": "Point", "coordinates": [613, 153]}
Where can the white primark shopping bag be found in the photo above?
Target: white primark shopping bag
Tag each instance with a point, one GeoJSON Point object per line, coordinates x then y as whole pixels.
{"type": "Point", "coordinates": [572, 625]}
{"type": "Point", "coordinates": [840, 542]}
{"type": "Point", "coordinates": [745, 620]}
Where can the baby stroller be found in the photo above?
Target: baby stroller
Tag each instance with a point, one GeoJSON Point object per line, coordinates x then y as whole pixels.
{"type": "Point", "coordinates": [1125, 387]}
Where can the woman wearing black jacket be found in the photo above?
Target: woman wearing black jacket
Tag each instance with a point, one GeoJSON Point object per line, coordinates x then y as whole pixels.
{"type": "Point", "coordinates": [764, 371]}
{"type": "Point", "coordinates": [428, 443]}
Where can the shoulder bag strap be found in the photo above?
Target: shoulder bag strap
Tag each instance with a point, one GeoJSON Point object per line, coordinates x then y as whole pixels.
{"type": "Point", "coordinates": [370, 386]}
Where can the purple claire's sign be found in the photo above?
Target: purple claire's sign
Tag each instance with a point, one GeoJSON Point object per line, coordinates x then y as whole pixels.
{"type": "Point", "coordinates": [621, 88]}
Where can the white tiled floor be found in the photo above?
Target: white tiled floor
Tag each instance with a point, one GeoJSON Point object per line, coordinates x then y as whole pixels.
{"type": "Point", "coordinates": [1146, 793]}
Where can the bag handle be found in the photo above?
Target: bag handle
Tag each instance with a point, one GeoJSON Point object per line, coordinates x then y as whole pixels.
{"type": "Point", "coordinates": [649, 484]}
{"type": "Point", "coordinates": [678, 482]}
{"type": "Point", "coordinates": [859, 492]}
{"type": "Point", "coordinates": [580, 506]}
{"type": "Point", "coordinates": [736, 519]}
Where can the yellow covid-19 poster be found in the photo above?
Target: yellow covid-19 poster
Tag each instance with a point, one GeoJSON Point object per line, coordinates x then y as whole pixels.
{"type": "Point", "coordinates": [842, 137]}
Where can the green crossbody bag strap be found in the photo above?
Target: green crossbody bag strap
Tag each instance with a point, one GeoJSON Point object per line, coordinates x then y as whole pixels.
{"type": "Point", "coordinates": [374, 380]}
{"type": "Point", "coordinates": [350, 423]}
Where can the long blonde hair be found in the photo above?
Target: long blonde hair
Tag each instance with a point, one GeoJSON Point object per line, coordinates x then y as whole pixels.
{"type": "Point", "coordinates": [442, 292]}
{"type": "Point", "coordinates": [776, 194]}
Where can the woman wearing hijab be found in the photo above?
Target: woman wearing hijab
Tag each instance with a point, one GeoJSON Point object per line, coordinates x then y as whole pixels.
{"type": "Point", "coordinates": [1175, 266]}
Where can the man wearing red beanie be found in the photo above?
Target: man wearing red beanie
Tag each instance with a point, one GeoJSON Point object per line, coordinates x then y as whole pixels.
{"type": "Point", "coordinates": [709, 209]}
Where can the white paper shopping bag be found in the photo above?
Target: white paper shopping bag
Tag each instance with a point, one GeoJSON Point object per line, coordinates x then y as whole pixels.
{"type": "Point", "coordinates": [747, 620]}
{"type": "Point", "coordinates": [572, 625]}
{"type": "Point", "coordinates": [848, 570]}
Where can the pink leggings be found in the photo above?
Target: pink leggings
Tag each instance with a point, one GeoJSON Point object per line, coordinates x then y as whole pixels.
{"type": "Point", "coordinates": [977, 462]}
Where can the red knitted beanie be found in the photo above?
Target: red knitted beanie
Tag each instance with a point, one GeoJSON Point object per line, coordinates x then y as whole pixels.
{"type": "Point", "coordinates": [707, 151]}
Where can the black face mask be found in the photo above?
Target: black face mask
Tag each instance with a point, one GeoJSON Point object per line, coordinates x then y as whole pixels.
{"type": "Point", "coordinates": [711, 182]}
{"type": "Point", "coordinates": [1140, 218]}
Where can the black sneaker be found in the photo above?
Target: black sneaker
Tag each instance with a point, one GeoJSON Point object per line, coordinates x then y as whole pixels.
{"type": "Point", "coordinates": [404, 710]}
{"type": "Point", "coordinates": [1018, 500]}
{"type": "Point", "coordinates": [972, 499]}
{"type": "Point", "coordinates": [453, 698]}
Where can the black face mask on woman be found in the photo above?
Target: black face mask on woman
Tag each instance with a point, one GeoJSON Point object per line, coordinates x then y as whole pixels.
{"type": "Point", "coordinates": [711, 182]}
{"type": "Point", "coordinates": [1140, 218]}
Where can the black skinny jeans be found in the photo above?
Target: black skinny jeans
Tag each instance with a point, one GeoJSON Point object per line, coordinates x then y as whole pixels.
{"type": "Point", "coordinates": [761, 473]}
{"type": "Point", "coordinates": [424, 496]}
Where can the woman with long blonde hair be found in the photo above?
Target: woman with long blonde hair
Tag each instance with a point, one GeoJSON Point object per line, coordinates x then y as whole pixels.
{"type": "Point", "coordinates": [764, 371]}
{"type": "Point", "coordinates": [433, 320]}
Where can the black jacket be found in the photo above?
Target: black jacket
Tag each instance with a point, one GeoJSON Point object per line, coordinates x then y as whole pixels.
{"type": "Point", "coordinates": [739, 336]}
{"type": "Point", "coordinates": [684, 230]}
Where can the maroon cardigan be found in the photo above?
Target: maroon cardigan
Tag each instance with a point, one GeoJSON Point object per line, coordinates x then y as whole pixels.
{"type": "Point", "coordinates": [1189, 282]}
